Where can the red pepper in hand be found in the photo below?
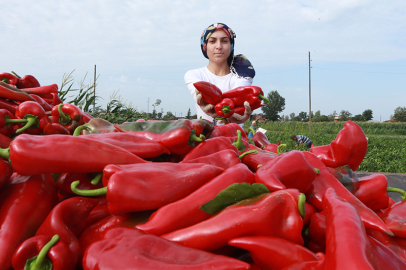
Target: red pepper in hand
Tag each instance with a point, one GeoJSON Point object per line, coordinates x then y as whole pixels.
{"type": "Point", "coordinates": [241, 109]}
{"type": "Point", "coordinates": [30, 154]}
{"type": "Point", "coordinates": [25, 202]}
{"type": "Point", "coordinates": [139, 250]}
{"type": "Point", "coordinates": [270, 252]}
{"type": "Point", "coordinates": [8, 78]}
{"type": "Point", "coordinates": [140, 187]}
{"type": "Point", "coordinates": [253, 94]}
{"type": "Point", "coordinates": [325, 180]}
{"type": "Point", "coordinates": [43, 252]}
{"type": "Point", "coordinates": [348, 148]}
{"type": "Point", "coordinates": [269, 214]}
{"type": "Point", "coordinates": [225, 108]}
{"type": "Point", "coordinates": [11, 93]}
{"type": "Point", "coordinates": [27, 81]}
{"type": "Point", "coordinates": [211, 94]}
{"type": "Point", "coordinates": [185, 212]}
{"type": "Point", "coordinates": [347, 245]}
{"type": "Point", "coordinates": [35, 115]}
{"type": "Point", "coordinates": [68, 115]}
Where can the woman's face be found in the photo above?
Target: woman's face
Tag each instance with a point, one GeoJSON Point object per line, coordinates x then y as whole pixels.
{"type": "Point", "coordinates": [218, 46]}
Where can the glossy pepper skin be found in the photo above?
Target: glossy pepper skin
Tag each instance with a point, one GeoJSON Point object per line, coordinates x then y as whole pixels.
{"type": "Point", "coordinates": [394, 217]}
{"type": "Point", "coordinates": [64, 181]}
{"type": "Point", "coordinates": [27, 81]}
{"type": "Point", "coordinates": [284, 253]}
{"type": "Point", "coordinates": [372, 191]}
{"type": "Point", "coordinates": [150, 186]}
{"type": "Point", "coordinates": [11, 93]}
{"type": "Point", "coordinates": [41, 102]}
{"type": "Point", "coordinates": [5, 172]}
{"type": "Point", "coordinates": [5, 141]}
{"type": "Point", "coordinates": [211, 94]}
{"type": "Point", "coordinates": [6, 126]}
{"type": "Point", "coordinates": [241, 110]}
{"type": "Point", "coordinates": [348, 148]}
{"type": "Point", "coordinates": [284, 172]}
{"type": "Point", "coordinates": [255, 161]}
{"type": "Point", "coordinates": [396, 244]}
{"type": "Point", "coordinates": [317, 228]}
{"type": "Point", "coordinates": [269, 214]}
{"type": "Point", "coordinates": [8, 105]}
{"type": "Point", "coordinates": [202, 126]}
{"type": "Point", "coordinates": [55, 128]}
{"type": "Point", "coordinates": [30, 155]}
{"type": "Point", "coordinates": [260, 139]}
{"type": "Point", "coordinates": [325, 180]}
{"type": "Point", "coordinates": [347, 245]}
{"type": "Point", "coordinates": [67, 219]}
{"type": "Point", "coordinates": [225, 108]}
{"type": "Point", "coordinates": [210, 146]}
{"type": "Point", "coordinates": [224, 159]}
{"type": "Point", "coordinates": [253, 94]}
{"type": "Point", "coordinates": [42, 91]}
{"type": "Point", "coordinates": [387, 259]}
{"type": "Point", "coordinates": [68, 115]}
{"type": "Point", "coordinates": [59, 255]}
{"type": "Point", "coordinates": [133, 143]}
{"type": "Point", "coordinates": [31, 109]}
{"type": "Point", "coordinates": [8, 78]}
{"type": "Point", "coordinates": [185, 212]}
{"type": "Point", "coordinates": [20, 217]}
{"type": "Point", "coordinates": [139, 250]}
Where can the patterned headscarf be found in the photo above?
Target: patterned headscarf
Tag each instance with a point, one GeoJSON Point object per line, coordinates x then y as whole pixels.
{"type": "Point", "coordinates": [240, 66]}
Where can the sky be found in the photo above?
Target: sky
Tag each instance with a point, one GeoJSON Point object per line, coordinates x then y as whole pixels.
{"type": "Point", "coordinates": [142, 49]}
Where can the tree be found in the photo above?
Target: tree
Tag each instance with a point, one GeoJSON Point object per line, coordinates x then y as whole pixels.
{"type": "Point", "coordinates": [367, 114]}
{"type": "Point", "coordinates": [345, 115]}
{"type": "Point", "coordinates": [317, 114]}
{"type": "Point", "coordinates": [292, 115]}
{"type": "Point", "coordinates": [156, 104]}
{"type": "Point", "coordinates": [189, 114]}
{"type": "Point", "coordinates": [358, 117]}
{"type": "Point", "coordinates": [159, 115]}
{"type": "Point", "coordinates": [277, 105]}
{"type": "Point", "coordinates": [169, 116]}
{"type": "Point", "coordinates": [303, 115]}
{"type": "Point", "coordinates": [400, 114]}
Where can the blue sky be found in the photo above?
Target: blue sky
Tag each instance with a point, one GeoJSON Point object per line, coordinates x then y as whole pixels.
{"type": "Point", "coordinates": [142, 49]}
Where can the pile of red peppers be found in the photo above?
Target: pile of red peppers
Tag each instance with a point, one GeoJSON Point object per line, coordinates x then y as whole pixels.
{"type": "Point", "coordinates": [78, 192]}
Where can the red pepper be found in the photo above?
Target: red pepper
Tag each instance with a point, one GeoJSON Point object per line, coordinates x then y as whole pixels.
{"type": "Point", "coordinates": [43, 252]}
{"type": "Point", "coordinates": [394, 217]}
{"type": "Point", "coordinates": [4, 141]}
{"type": "Point", "coordinates": [53, 99]}
{"type": "Point", "coordinates": [272, 147]}
{"type": "Point", "coordinates": [325, 180]}
{"type": "Point", "coordinates": [67, 219]}
{"type": "Point", "coordinates": [396, 244]}
{"type": "Point", "coordinates": [269, 214]}
{"type": "Point", "coordinates": [284, 253]}
{"type": "Point", "coordinates": [99, 212]}
{"type": "Point", "coordinates": [27, 81]}
{"type": "Point", "coordinates": [64, 181]}
{"type": "Point", "coordinates": [387, 259]}
{"type": "Point", "coordinates": [234, 133]}
{"type": "Point", "coordinates": [96, 126]}
{"type": "Point", "coordinates": [202, 126]}
{"type": "Point", "coordinates": [5, 172]}
{"type": "Point", "coordinates": [133, 143]}
{"type": "Point", "coordinates": [253, 94]}
{"type": "Point", "coordinates": [259, 139]}
{"type": "Point", "coordinates": [225, 108]}
{"type": "Point", "coordinates": [241, 109]}
{"type": "Point", "coordinates": [41, 102]}
{"type": "Point", "coordinates": [140, 187]}
{"type": "Point", "coordinates": [8, 105]}
{"type": "Point", "coordinates": [7, 122]}
{"type": "Point", "coordinates": [25, 202]}
{"type": "Point", "coordinates": [211, 94]}
{"type": "Point", "coordinates": [185, 212]}
{"type": "Point", "coordinates": [255, 161]}
{"type": "Point", "coordinates": [347, 245]}
{"type": "Point", "coordinates": [55, 128]}
{"type": "Point", "coordinates": [139, 250]}
{"type": "Point", "coordinates": [317, 228]}
{"type": "Point", "coordinates": [372, 191]}
{"type": "Point", "coordinates": [313, 265]}
{"type": "Point", "coordinates": [68, 115]}
{"type": "Point", "coordinates": [36, 117]}
{"type": "Point", "coordinates": [210, 146]}
{"type": "Point", "coordinates": [9, 92]}
{"type": "Point", "coordinates": [285, 170]}
{"type": "Point", "coordinates": [348, 148]}
{"type": "Point", "coordinates": [30, 154]}
{"type": "Point", "coordinates": [86, 117]}
{"type": "Point", "coordinates": [42, 91]}
{"type": "Point", "coordinates": [8, 78]}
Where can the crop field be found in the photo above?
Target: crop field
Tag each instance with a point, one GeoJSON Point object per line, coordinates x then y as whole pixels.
{"type": "Point", "coordinates": [386, 141]}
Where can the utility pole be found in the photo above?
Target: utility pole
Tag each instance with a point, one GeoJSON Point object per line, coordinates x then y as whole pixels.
{"type": "Point", "coordinates": [310, 99]}
{"type": "Point", "coordinates": [94, 89]}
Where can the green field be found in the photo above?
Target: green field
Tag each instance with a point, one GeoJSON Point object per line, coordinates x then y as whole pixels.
{"type": "Point", "coordinates": [386, 141]}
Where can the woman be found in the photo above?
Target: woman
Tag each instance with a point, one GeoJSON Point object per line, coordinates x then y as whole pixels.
{"type": "Point", "coordinates": [224, 70]}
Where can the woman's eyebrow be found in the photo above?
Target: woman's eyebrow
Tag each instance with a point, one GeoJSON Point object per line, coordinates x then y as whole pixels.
{"type": "Point", "coordinates": [216, 38]}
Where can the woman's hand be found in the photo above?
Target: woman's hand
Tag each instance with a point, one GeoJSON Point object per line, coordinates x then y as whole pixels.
{"type": "Point", "coordinates": [206, 107]}
{"type": "Point", "coordinates": [240, 119]}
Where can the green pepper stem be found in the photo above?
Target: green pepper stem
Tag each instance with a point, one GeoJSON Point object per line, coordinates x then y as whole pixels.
{"type": "Point", "coordinates": [79, 129]}
{"type": "Point", "coordinates": [90, 193]}
{"type": "Point", "coordinates": [239, 144]}
{"type": "Point", "coordinates": [279, 148]}
{"type": "Point", "coordinates": [262, 97]}
{"type": "Point", "coordinates": [5, 80]}
{"type": "Point", "coordinates": [15, 74]}
{"type": "Point", "coordinates": [401, 191]}
{"type": "Point", "coordinates": [64, 119]}
{"type": "Point", "coordinates": [11, 121]}
{"type": "Point", "coordinates": [39, 262]}
{"type": "Point", "coordinates": [301, 205]}
{"type": "Point", "coordinates": [248, 152]}
{"type": "Point", "coordinates": [252, 130]}
{"type": "Point", "coordinates": [226, 109]}
{"type": "Point", "coordinates": [95, 181]}
{"type": "Point", "coordinates": [31, 121]}
{"type": "Point", "coordinates": [5, 153]}
{"type": "Point", "coordinates": [194, 138]}
{"type": "Point", "coordinates": [317, 170]}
